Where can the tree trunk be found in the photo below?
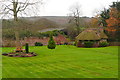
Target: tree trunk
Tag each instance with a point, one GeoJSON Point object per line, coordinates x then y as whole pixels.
{"type": "Point", "coordinates": [18, 44]}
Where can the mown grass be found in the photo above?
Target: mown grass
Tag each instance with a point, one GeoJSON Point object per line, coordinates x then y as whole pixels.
{"type": "Point", "coordinates": [63, 62]}
{"type": "Point", "coordinates": [0, 64]}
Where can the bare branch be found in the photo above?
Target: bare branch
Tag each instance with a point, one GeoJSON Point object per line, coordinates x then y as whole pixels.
{"type": "Point", "coordinates": [26, 4]}
{"type": "Point", "coordinates": [8, 7]}
{"type": "Point", "coordinates": [22, 8]}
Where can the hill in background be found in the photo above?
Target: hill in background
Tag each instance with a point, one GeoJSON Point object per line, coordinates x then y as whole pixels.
{"type": "Point", "coordinates": [41, 23]}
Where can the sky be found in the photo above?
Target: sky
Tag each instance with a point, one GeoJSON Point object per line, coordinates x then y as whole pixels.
{"type": "Point", "coordinates": [61, 7]}
{"type": "Point", "coordinates": [88, 8]}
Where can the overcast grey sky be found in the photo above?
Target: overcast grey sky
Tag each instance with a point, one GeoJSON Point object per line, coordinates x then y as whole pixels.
{"type": "Point", "coordinates": [61, 7]}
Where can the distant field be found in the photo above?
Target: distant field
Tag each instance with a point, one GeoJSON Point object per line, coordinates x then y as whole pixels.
{"type": "Point", "coordinates": [63, 62]}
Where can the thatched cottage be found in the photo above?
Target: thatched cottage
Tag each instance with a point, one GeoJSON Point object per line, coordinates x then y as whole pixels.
{"type": "Point", "coordinates": [96, 35]}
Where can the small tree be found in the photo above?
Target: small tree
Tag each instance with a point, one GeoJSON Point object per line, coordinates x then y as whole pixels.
{"type": "Point", "coordinates": [15, 8]}
{"type": "Point", "coordinates": [51, 43]}
{"type": "Point", "coordinates": [27, 48]}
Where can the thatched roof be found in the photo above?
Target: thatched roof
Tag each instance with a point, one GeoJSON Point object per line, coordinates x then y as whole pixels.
{"type": "Point", "coordinates": [103, 35]}
{"type": "Point", "coordinates": [91, 35]}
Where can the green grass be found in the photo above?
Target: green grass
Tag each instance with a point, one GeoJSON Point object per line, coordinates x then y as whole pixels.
{"type": "Point", "coordinates": [0, 64]}
{"type": "Point", "coordinates": [63, 62]}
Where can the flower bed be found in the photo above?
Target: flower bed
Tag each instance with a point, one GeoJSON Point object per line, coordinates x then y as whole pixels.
{"type": "Point", "coordinates": [20, 54]}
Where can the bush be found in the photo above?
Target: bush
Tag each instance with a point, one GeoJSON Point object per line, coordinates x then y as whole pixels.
{"type": "Point", "coordinates": [75, 43]}
{"type": "Point", "coordinates": [51, 43]}
{"type": "Point", "coordinates": [5, 54]}
{"type": "Point", "coordinates": [65, 43]}
{"type": "Point", "coordinates": [17, 54]}
{"type": "Point", "coordinates": [88, 44]}
{"type": "Point", "coordinates": [38, 44]}
{"type": "Point", "coordinates": [103, 44]}
{"type": "Point", "coordinates": [27, 48]}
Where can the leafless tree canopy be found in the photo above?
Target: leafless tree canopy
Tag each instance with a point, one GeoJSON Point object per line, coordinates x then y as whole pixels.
{"type": "Point", "coordinates": [20, 8]}
{"type": "Point", "coordinates": [75, 13]}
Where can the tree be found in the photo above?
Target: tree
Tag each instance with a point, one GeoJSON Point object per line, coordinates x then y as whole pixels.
{"type": "Point", "coordinates": [15, 8]}
{"type": "Point", "coordinates": [113, 21]}
{"type": "Point", "coordinates": [27, 48]}
{"type": "Point", "coordinates": [112, 12]}
{"type": "Point", "coordinates": [103, 16]}
{"type": "Point", "coordinates": [116, 5]}
{"type": "Point", "coordinates": [113, 24]}
{"type": "Point", "coordinates": [110, 18]}
{"type": "Point", "coordinates": [75, 16]}
{"type": "Point", "coordinates": [51, 43]}
{"type": "Point", "coordinates": [94, 22]}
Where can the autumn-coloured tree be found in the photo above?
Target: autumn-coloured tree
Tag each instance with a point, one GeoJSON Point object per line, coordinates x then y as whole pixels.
{"type": "Point", "coordinates": [113, 22]}
{"type": "Point", "coordinates": [110, 20]}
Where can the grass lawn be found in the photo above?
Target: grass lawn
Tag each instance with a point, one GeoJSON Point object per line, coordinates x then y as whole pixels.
{"type": "Point", "coordinates": [63, 62]}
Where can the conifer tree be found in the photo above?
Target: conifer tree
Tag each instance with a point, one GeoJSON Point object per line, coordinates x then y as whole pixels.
{"type": "Point", "coordinates": [51, 43]}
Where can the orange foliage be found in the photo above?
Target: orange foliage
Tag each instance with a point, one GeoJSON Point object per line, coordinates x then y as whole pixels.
{"type": "Point", "coordinates": [110, 29]}
{"type": "Point", "coordinates": [113, 21]}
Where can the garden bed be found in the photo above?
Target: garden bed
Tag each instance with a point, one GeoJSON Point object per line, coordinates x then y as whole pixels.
{"type": "Point", "coordinates": [20, 54]}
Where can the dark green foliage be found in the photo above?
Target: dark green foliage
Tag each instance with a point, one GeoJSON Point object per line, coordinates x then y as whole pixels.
{"type": "Point", "coordinates": [118, 35]}
{"type": "Point", "coordinates": [104, 15]}
{"type": "Point", "coordinates": [16, 54]}
{"type": "Point", "coordinates": [51, 43]}
{"type": "Point", "coordinates": [38, 44]}
{"type": "Point", "coordinates": [27, 48]}
{"type": "Point", "coordinates": [103, 21]}
{"type": "Point", "coordinates": [56, 32]}
{"type": "Point", "coordinates": [115, 38]}
{"type": "Point", "coordinates": [75, 43]}
{"type": "Point", "coordinates": [5, 54]}
{"type": "Point", "coordinates": [88, 44]}
{"type": "Point", "coordinates": [46, 34]}
{"type": "Point", "coordinates": [103, 44]}
{"type": "Point", "coordinates": [116, 5]}
{"type": "Point", "coordinates": [65, 43]}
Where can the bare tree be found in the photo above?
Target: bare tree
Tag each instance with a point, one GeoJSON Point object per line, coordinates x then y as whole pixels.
{"type": "Point", "coordinates": [16, 8]}
{"type": "Point", "coordinates": [75, 13]}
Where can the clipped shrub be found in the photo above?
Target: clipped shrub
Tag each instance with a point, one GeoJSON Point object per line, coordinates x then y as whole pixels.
{"type": "Point", "coordinates": [27, 48]}
{"type": "Point", "coordinates": [5, 54]}
{"type": "Point", "coordinates": [65, 43]}
{"type": "Point", "coordinates": [88, 44]}
{"type": "Point", "coordinates": [38, 44]}
{"type": "Point", "coordinates": [75, 43]}
{"type": "Point", "coordinates": [51, 43]}
{"type": "Point", "coordinates": [104, 44]}
{"type": "Point", "coordinates": [17, 54]}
